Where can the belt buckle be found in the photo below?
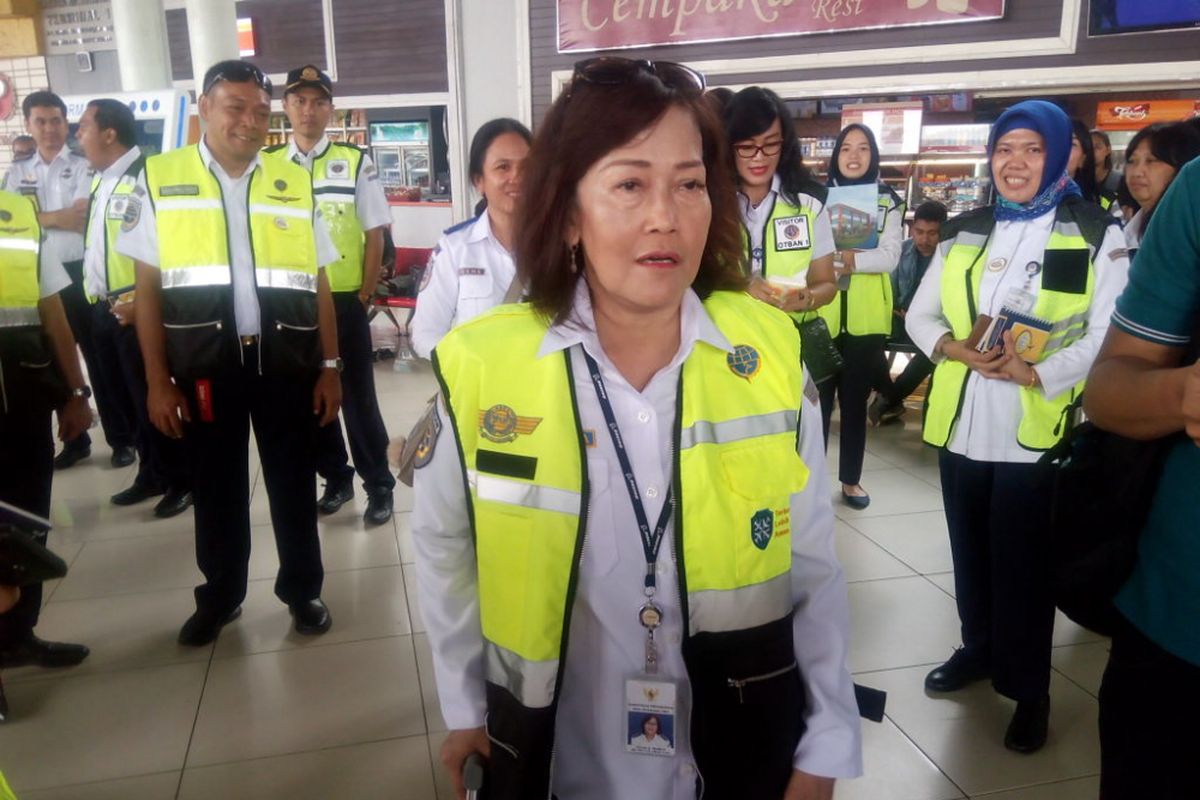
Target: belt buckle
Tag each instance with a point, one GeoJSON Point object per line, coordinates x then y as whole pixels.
{"type": "Point", "coordinates": [249, 341]}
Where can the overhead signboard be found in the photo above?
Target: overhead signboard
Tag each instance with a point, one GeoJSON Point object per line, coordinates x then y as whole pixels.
{"type": "Point", "coordinates": [1132, 115]}
{"type": "Point", "coordinates": [588, 25]}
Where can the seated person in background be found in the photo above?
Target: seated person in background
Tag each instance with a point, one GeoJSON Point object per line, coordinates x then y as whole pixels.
{"type": "Point", "coordinates": [915, 255]}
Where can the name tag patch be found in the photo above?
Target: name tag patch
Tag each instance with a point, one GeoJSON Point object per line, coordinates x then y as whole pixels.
{"type": "Point", "coordinates": [791, 233]}
{"type": "Point", "coordinates": [179, 190]}
{"type": "Point", "coordinates": [471, 271]}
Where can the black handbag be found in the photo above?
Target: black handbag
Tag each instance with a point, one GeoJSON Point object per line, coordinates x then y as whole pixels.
{"type": "Point", "coordinates": [24, 561]}
{"type": "Point", "coordinates": [818, 351]}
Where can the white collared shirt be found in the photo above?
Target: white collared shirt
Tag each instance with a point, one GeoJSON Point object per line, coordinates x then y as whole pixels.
{"type": "Point", "coordinates": [607, 645]}
{"type": "Point", "coordinates": [370, 202]}
{"type": "Point", "coordinates": [986, 429]}
{"type": "Point", "coordinates": [141, 240]}
{"type": "Point", "coordinates": [755, 218]}
{"type": "Point", "coordinates": [95, 266]}
{"type": "Point", "coordinates": [57, 184]}
{"type": "Point", "coordinates": [468, 273]}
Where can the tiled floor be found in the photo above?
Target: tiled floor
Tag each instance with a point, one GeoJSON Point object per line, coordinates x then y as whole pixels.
{"type": "Point", "coordinates": [353, 714]}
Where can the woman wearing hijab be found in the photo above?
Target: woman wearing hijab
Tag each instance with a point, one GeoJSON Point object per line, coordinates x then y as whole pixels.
{"type": "Point", "coordinates": [860, 318]}
{"type": "Point", "coordinates": [1043, 251]}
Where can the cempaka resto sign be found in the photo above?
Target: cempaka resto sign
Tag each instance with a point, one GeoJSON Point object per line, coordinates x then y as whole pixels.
{"type": "Point", "coordinates": [586, 25]}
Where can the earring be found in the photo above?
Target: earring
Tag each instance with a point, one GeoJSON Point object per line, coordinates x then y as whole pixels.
{"type": "Point", "coordinates": [574, 264]}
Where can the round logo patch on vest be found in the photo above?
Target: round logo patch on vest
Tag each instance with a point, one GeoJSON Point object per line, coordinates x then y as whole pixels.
{"type": "Point", "coordinates": [501, 424]}
{"type": "Point", "coordinates": [280, 184]}
{"type": "Point", "coordinates": [5, 216]}
{"type": "Point", "coordinates": [762, 528]}
{"type": "Point", "coordinates": [744, 361]}
{"type": "Point", "coordinates": [997, 264]}
{"type": "Point", "coordinates": [133, 213]}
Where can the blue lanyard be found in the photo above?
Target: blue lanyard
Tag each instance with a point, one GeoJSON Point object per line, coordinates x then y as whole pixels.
{"type": "Point", "coordinates": [651, 539]}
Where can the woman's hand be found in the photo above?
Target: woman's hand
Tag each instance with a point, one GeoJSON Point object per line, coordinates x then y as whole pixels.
{"type": "Point", "coordinates": [759, 289]}
{"type": "Point", "coordinates": [1010, 366]}
{"type": "Point", "coordinates": [798, 300]}
{"type": "Point", "coordinates": [459, 745]}
{"type": "Point", "coordinates": [803, 786]}
{"type": "Point", "coordinates": [847, 261]}
{"type": "Point", "coordinates": [9, 595]}
{"type": "Point", "coordinates": [959, 350]}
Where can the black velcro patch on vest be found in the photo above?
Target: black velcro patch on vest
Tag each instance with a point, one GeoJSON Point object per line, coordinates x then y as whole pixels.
{"type": "Point", "coordinates": [1066, 271]}
{"type": "Point", "coordinates": [506, 464]}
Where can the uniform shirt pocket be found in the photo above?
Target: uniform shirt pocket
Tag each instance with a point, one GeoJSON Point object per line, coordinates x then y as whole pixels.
{"type": "Point", "coordinates": [474, 292]}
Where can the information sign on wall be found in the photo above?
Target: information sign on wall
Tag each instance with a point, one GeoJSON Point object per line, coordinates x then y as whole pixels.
{"type": "Point", "coordinates": [897, 126]}
{"type": "Point", "coordinates": [585, 25]}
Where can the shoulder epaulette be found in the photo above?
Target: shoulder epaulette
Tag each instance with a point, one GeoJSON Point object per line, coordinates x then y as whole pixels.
{"type": "Point", "coordinates": [455, 228]}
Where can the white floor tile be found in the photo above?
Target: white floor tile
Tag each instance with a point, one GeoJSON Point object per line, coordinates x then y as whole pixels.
{"type": "Point", "coordinates": [147, 787]}
{"type": "Point", "coordinates": [920, 540]}
{"type": "Point", "coordinates": [131, 566]}
{"type": "Point", "coordinates": [343, 547]}
{"type": "Point", "coordinates": [900, 622]}
{"type": "Point", "coordinates": [1078, 789]}
{"type": "Point", "coordinates": [862, 559]}
{"type": "Point", "coordinates": [894, 769]}
{"type": "Point", "coordinates": [893, 491]}
{"type": "Point", "coordinates": [1083, 663]}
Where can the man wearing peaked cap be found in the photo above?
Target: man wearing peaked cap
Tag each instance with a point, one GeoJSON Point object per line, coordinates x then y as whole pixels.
{"type": "Point", "coordinates": [347, 189]}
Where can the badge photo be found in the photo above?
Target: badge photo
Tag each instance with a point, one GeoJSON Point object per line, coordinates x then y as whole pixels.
{"type": "Point", "coordinates": [650, 717]}
{"type": "Point", "coordinates": [791, 233]}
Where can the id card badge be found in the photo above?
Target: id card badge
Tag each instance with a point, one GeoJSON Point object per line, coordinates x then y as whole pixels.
{"type": "Point", "coordinates": [649, 717]}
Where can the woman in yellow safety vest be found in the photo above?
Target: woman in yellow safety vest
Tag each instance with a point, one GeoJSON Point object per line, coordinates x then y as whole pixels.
{"type": "Point", "coordinates": [622, 510]}
{"type": "Point", "coordinates": [1012, 310]}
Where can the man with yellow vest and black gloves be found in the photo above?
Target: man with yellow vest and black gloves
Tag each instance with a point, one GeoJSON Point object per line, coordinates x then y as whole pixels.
{"type": "Point", "coordinates": [39, 374]}
{"type": "Point", "coordinates": [237, 328]}
{"type": "Point", "coordinates": [346, 186]}
{"type": "Point", "coordinates": [108, 139]}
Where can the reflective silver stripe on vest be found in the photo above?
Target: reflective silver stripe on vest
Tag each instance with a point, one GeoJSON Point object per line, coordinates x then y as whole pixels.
{"type": "Point", "coordinates": [30, 245]}
{"type": "Point", "coordinates": [717, 610]}
{"type": "Point", "coordinates": [187, 204]}
{"type": "Point", "coordinates": [280, 211]}
{"type": "Point", "coordinates": [269, 278]}
{"type": "Point", "coordinates": [735, 430]}
{"type": "Point", "coordinates": [333, 197]}
{"type": "Point", "coordinates": [969, 239]}
{"type": "Point", "coordinates": [531, 682]}
{"type": "Point", "coordinates": [209, 275]}
{"type": "Point", "coordinates": [519, 493]}
{"type": "Point", "coordinates": [1073, 230]}
{"type": "Point", "coordinates": [19, 317]}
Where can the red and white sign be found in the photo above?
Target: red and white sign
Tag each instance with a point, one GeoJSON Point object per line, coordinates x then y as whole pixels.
{"type": "Point", "coordinates": [8, 97]}
{"type": "Point", "coordinates": [585, 25]}
{"type": "Point", "coordinates": [1132, 115]}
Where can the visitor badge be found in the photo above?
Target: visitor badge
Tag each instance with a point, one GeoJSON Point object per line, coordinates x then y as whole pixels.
{"type": "Point", "coordinates": [791, 233]}
{"type": "Point", "coordinates": [649, 717]}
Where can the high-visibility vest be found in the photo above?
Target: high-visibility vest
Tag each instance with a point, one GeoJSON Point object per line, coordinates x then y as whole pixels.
{"type": "Point", "coordinates": [197, 277]}
{"type": "Point", "coordinates": [1076, 236]}
{"type": "Point", "coordinates": [28, 375]}
{"type": "Point", "coordinates": [866, 307]}
{"type": "Point", "coordinates": [335, 181]}
{"type": "Point", "coordinates": [119, 274]}
{"type": "Point", "coordinates": [736, 468]}
{"type": "Point", "coordinates": [787, 243]}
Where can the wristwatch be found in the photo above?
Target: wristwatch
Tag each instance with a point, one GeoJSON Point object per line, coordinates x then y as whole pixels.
{"type": "Point", "coordinates": [84, 391]}
{"type": "Point", "coordinates": [332, 363]}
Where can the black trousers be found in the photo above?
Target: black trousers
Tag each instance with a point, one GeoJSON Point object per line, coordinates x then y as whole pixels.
{"type": "Point", "coordinates": [999, 519]}
{"type": "Point", "coordinates": [26, 469]}
{"type": "Point", "coordinates": [162, 462]}
{"type": "Point", "coordinates": [919, 368]}
{"type": "Point", "coordinates": [851, 387]}
{"type": "Point", "coordinates": [360, 407]}
{"type": "Point", "coordinates": [1149, 706]}
{"type": "Point", "coordinates": [217, 440]}
{"type": "Point", "coordinates": [112, 400]}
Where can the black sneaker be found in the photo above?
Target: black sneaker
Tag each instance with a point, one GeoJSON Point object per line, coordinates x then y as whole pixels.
{"type": "Point", "coordinates": [379, 508]}
{"type": "Point", "coordinates": [336, 495]}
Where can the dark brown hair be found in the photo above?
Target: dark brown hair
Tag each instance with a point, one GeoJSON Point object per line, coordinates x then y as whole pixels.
{"type": "Point", "coordinates": [586, 122]}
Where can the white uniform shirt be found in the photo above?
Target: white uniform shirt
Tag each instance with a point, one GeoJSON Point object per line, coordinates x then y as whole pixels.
{"type": "Point", "coordinates": [141, 240]}
{"type": "Point", "coordinates": [607, 645]}
{"type": "Point", "coordinates": [57, 185]}
{"type": "Point", "coordinates": [370, 203]}
{"type": "Point", "coordinates": [755, 219]}
{"type": "Point", "coordinates": [469, 273]}
{"type": "Point", "coordinates": [95, 268]}
{"type": "Point", "coordinates": [986, 429]}
{"type": "Point", "coordinates": [1133, 230]}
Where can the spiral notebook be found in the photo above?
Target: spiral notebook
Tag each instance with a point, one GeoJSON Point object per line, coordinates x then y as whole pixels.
{"type": "Point", "coordinates": [1029, 333]}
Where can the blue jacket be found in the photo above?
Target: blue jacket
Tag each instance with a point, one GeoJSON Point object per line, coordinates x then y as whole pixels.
{"type": "Point", "coordinates": [908, 274]}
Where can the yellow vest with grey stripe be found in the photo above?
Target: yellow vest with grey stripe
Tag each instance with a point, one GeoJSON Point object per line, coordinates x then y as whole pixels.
{"type": "Point", "coordinates": [27, 372]}
{"type": "Point", "coordinates": [865, 309]}
{"type": "Point", "coordinates": [787, 242]}
{"type": "Point", "coordinates": [735, 469]}
{"type": "Point", "coordinates": [1064, 298]}
{"type": "Point", "coordinates": [197, 279]}
{"type": "Point", "coordinates": [335, 181]}
{"type": "Point", "coordinates": [118, 269]}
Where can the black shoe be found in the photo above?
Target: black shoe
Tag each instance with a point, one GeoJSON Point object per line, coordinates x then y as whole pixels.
{"type": "Point", "coordinates": [962, 669]}
{"type": "Point", "coordinates": [336, 495]}
{"type": "Point", "coordinates": [123, 456]}
{"type": "Point", "coordinates": [1030, 722]}
{"type": "Point", "coordinates": [856, 501]}
{"type": "Point", "coordinates": [175, 501]}
{"type": "Point", "coordinates": [202, 627]}
{"type": "Point", "coordinates": [39, 653]}
{"type": "Point", "coordinates": [135, 494]}
{"type": "Point", "coordinates": [312, 617]}
{"type": "Point", "coordinates": [379, 508]}
{"type": "Point", "coordinates": [70, 456]}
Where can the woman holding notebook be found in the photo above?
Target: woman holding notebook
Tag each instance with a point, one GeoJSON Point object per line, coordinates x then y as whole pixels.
{"type": "Point", "coordinates": [1043, 254]}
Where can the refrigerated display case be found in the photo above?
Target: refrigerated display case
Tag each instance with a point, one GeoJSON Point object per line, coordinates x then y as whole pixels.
{"type": "Point", "coordinates": [401, 153]}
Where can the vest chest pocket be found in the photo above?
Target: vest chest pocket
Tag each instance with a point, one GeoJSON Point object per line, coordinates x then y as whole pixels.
{"type": "Point", "coordinates": [761, 476]}
{"type": "Point", "coordinates": [1065, 271]}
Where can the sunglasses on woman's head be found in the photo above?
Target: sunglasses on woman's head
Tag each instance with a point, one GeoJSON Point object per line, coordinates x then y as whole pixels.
{"type": "Point", "coordinates": [616, 71]}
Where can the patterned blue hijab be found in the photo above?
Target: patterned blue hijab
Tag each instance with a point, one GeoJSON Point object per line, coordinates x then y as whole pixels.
{"type": "Point", "coordinates": [1055, 128]}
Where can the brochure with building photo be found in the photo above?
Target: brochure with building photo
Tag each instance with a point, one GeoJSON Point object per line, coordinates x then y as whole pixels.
{"type": "Point", "coordinates": [854, 213]}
